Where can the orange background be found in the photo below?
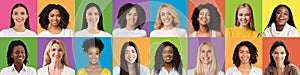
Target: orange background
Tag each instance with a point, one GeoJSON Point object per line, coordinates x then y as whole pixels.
{"type": "Point", "coordinates": [142, 44]}
{"type": "Point", "coordinates": [219, 4]}
{"type": "Point", "coordinates": [292, 45]}
{"type": "Point", "coordinates": [69, 5]}
{"type": "Point", "coordinates": [231, 44]}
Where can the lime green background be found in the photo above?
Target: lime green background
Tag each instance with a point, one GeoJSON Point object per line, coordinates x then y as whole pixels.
{"type": "Point", "coordinates": [180, 43]}
{"type": "Point", "coordinates": [106, 9]}
{"type": "Point", "coordinates": [232, 5]}
{"type": "Point", "coordinates": [31, 44]}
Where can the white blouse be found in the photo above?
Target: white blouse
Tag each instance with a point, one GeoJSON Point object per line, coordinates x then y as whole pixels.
{"type": "Point", "coordinates": [163, 71]}
{"type": "Point", "coordinates": [234, 71]}
{"type": "Point", "coordinates": [174, 32]}
{"type": "Point", "coordinates": [66, 71]}
{"type": "Point", "coordinates": [10, 32]}
{"type": "Point", "coordinates": [213, 34]}
{"type": "Point", "coordinates": [64, 33]}
{"type": "Point", "coordinates": [12, 71]}
{"type": "Point", "coordinates": [129, 33]}
{"type": "Point", "coordinates": [85, 33]}
{"type": "Point", "coordinates": [288, 31]}
{"type": "Point", "coordinates": [143, 70]}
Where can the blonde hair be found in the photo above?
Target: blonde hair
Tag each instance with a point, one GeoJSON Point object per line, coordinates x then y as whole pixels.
{"type": "Point", "coordinates": [251, 22]}
{"type": "Point", "coordinates": [158, 24]}
{"type": "Point", "coordinates": [213, 66]}
{"type": "Point", "coordinates": [47, 59]}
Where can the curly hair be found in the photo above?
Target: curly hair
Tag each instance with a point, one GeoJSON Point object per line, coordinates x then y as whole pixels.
{"type": "Point", "coordinates": [251, 22]}
{"type": "Point", "coordinates": [253, 53]}
{"type": "Point", "coordinates": [290, 21]}
{"type": "Point", "coordinates": [11, 46]}
{"type": "Point", "coordinates": [159, 62]}
{"type": "Point", "coordinates": [12, 23]}
{"type": "Point", "coordinates": [159, 24]}
{"type": "Point", "coordinates": [47, 59]}
{"type": "Point", "coordinates": [215, 19]}
{"type": "Point", "coordinates": [84, 21]}
{"type": "Point", "coordinates": [274, 46]}
{"type": "Point", "coordinates": [124, 67]}
{"type": "Point", "coordinates": [44, 21]}
{"type": "Point", "coordinates": [92, 42]}
{"type": "Point", "coordinates": [125, 9]}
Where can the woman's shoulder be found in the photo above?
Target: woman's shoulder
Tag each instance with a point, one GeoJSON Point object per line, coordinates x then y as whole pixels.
{"type": "Point", "coordinates": [292, 67]}
{"type": "Point", "coordinates": [180, 29]}
{"type": "Point", "coordinates": [106, 71]}
{"type": "Point", "coordinates": [43, 70]}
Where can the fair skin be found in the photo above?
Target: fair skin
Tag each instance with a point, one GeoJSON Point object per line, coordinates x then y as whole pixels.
{"type": "Point", "coordinates": [19, 56]}
{"type": "Point", "coordinates": [206, 58]}
{"type": "Point", "coordinates": [131, 19]}
{"type": "Point", "coordinates": [279, 55]}
{"type": "Point", "coordinates": [93, 68]}
{"type": "Point", "coordinates": [92, 16]}
{"type": "Point", "coordinates": [130, 57]}
{"type": "Point", "coordinates": [243, 17]}
{"type": "Point", "coordinates": [166, 18]}
{"type": "Point", "coordinates": [282, 16]}
{"type": "Point", "coordinates": [204, 19]}
{"type": "Point", "coordinates": [244, 55]}
{"type": "Point", "coordinates": [168, 55]}
{"type": "Point", "coordinates": [56, 54]}
{"type": "Point", "coordinates": [54, 19]}
{"type": "Point", "coordinates": [19, 16]}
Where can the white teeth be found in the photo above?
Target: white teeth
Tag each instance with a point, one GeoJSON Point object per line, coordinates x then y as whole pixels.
{"type": "Point", "coordinates": [20, 58]}
{"type": "Point", "coordinates": [168, 58]}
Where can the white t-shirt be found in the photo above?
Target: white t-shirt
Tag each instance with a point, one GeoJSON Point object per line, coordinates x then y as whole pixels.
{"type": "Point", "coordinates": [85, 33]}
{"type": "Point", "coordinates": [10, 32]}
{"type": "Point", "coordinates": [234, 71]}
{"type": "Point", "coordinates": [174, 32]}
{"type": "Point", "coordinates": [143, 70]}
{"type": "Point", "coordinates": [163, 71]}
{"type": "Point", "coordinates": [12, 71]}
{"type": "Point", "coordinates": [129, 33]}
{"type": "Point", "coordinates": [192, 71]}
{"type": "Point", "coordinates": [213, 34]}
{"type": "Point", "coordinates": [66, 71]}
{"type": "Point", "coordinates": [64, 33]}
{"type": "Point", "coordinates": [288, 31]}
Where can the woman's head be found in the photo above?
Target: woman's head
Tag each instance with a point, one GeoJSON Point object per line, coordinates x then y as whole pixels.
{"type": "Point", "coordinates": [279, 54]}
{"type": "Point", "coordinates": [93, 47]}
{"type": "Point", "coordinates": [131, 14]}
{"type": "Point", "coordinates": [244, 16]}
{"type": "Point", "coordinates": [55, 52]}
{"type": "Point", "coordinates": [167, 53]}
{"type": "Point", "coordinates": [92, 16]}
{"type": "Point", "coordinates": [19, 16]}
{"type": "Point", "coordinates": [206, 14]}
{"type": "Point", "coordinates": [129, 55]}
{"type": "Point", "coordinates": [54, 14]}
{"type": "Point", "coordinates": [166, 15]}
{"type": "Point", "coordinates": [281, 15]}
{"type": "Point", "coordinates": [244, 53]}
{"type": "Point", "coordinates": [17, 53]}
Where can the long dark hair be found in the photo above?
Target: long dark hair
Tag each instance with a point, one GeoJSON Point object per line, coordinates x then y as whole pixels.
{"type": "Point", "coordinates": [286, 59]}
{"type": "Point", "coordinates": [84, 21]}
{"type": "Point", "coordinates": [12, 23]}
{"type": "Point", "coordinates": [125, 9]}
{"type": "Point", "coordinates": [124, 66]}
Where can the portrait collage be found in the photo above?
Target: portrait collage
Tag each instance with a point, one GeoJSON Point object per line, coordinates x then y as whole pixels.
{"type": "Point", "coordinates": [149, 37]}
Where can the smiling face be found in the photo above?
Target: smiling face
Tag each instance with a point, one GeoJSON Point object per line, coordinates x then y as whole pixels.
{"type": "Point", "coordinates": [244, 55]}
{"type": "Point", "coordinates": [168, 54]}
{"type": "Point", "coordinates": [131, 17]}
{"type": "Point", "coordinates": [204, 16]}
{"type": "Point", "coordinates": [206, 54]}
{"type": "Point", "coordinates": [166, 16]}
{"type": "Point", "coordinates": [19, 15]}
{"type": "Point", "coordinates": [54, 17]}
{"type": "Point", "coordinates": [243, 16]}
{"type": "Point", "coordinates": [279, 54]}
{"type": "Point", "coordinates": [56, 53]}
{"type": "Point", "coordinates": [282, 16]}
{"type": "Point", "coordinates": [93, 54]}
{"type": "Point", "coordinates": [92, 16]}
{"type": "Point", "coordinates": [18, 54]}
{"type": "Point", "coordinates": [130, 54]}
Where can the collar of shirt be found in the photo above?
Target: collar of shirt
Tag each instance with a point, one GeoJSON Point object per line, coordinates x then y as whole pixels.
{"type": "Point", "coordinates": [252, 71]}
{"type": "Point", "coordinates": [12, 68]}
{"type": "Point", "coordinates": [172, 72]}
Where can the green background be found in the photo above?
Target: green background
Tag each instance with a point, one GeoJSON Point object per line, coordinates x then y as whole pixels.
{"type": "Point", "coordinates": [31, 44]}
{"type": "Point", "coordinates": [180, 43]}
{"type": "Point", "coordinates": [232, 5]}
{"type": "Point", "coordinates": [106, 9]}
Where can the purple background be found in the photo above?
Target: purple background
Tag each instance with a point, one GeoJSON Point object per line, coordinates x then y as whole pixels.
{"type": "Point", "coordinates": [68, 42]}
{"type": "Point", "coordinates": [144, 3]}
{"type": "Point", "coordinates": [193, 45]}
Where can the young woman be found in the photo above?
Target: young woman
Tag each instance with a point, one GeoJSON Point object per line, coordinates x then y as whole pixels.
{"type": "Point", "coordinates": [54, 19]}
{"type": "Point", "coordinates": [166, 24]}
{"type": "Point", "coordinates": [281, 23]}
{"type": "Point", "coordinates": [92, 23]}
{"type": "Point", "coordinates": [19, 23]}
{"type": "Point", "coordinates": [244, 23]}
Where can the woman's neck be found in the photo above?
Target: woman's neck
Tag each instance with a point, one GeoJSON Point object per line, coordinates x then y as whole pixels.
{"type": "Point", "coordinates": [203, 29]}
{"type": "Point", "coordinates": [19, 28]}
{"type": "Point", "coordinates": [280, 67]}
{"type": "Point", "coordinates": [130, 27]}
{"type": "Point", "coordinates": [93, 66]}
{"type": "Point", "coordinates": [242, 26]}
{"type": "Point", "coordinates": [167, 27]}
{"type": "Point", "coordinates": [93, 29]}
{"type": "Point", "coordinates": [206, 69]}
{"type": "Point", "coordinates": [279, 27]}
{"type": "Point", "coordinates": [54, 29]}
{"type": "Point", "coordinates": [56, 65]}
{"type": "Point", "coordinates": [18, 66]}
{"type": "Point", "coordinates": [244, 68]}
{"type": "Point", "coordinates": [168, 67]}
{"type": "Point", "coordinates": [131, 68]}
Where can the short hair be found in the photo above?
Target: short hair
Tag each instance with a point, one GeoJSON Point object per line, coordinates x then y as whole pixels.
{"type": "Point", "coordinates": [125, 9]}
{"type": "Point", "coordinates": [124, 67]}
{"type": "Point", "coordinates": [251, 22]}
{"type": "Point", "coordinates": [47, 59]}
{"type": "Point", "coordinates": [159, 61]}
{"type": "Point", "coordinates": [84, 21]}
{"type": "Point", "coordinates": [215, 19]}
{"type": "Point", "coordinates": [252, 50]}
{"type": "Point", "coordinates": [158, 23]}
{"type": "Point", "coordinates": [12, 23]}
{"type": "Point", "coordinates": [274, 46]}
{"type": "Point", "coordinates": [92, 42]}
{"type": "Point", "coordinates": [44, 21]}
{"type": "Point", "coordinates": [290, 21]}
{"type": "Point", "coordinates": [11, 46]}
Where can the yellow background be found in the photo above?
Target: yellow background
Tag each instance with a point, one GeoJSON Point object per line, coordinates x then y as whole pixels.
{"type": "Point", "coordinates": [269, 5]}
{"type": "Point", "coordinates": [231, 44]}
{"type": "Point", "coordinates": [69, 5]}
